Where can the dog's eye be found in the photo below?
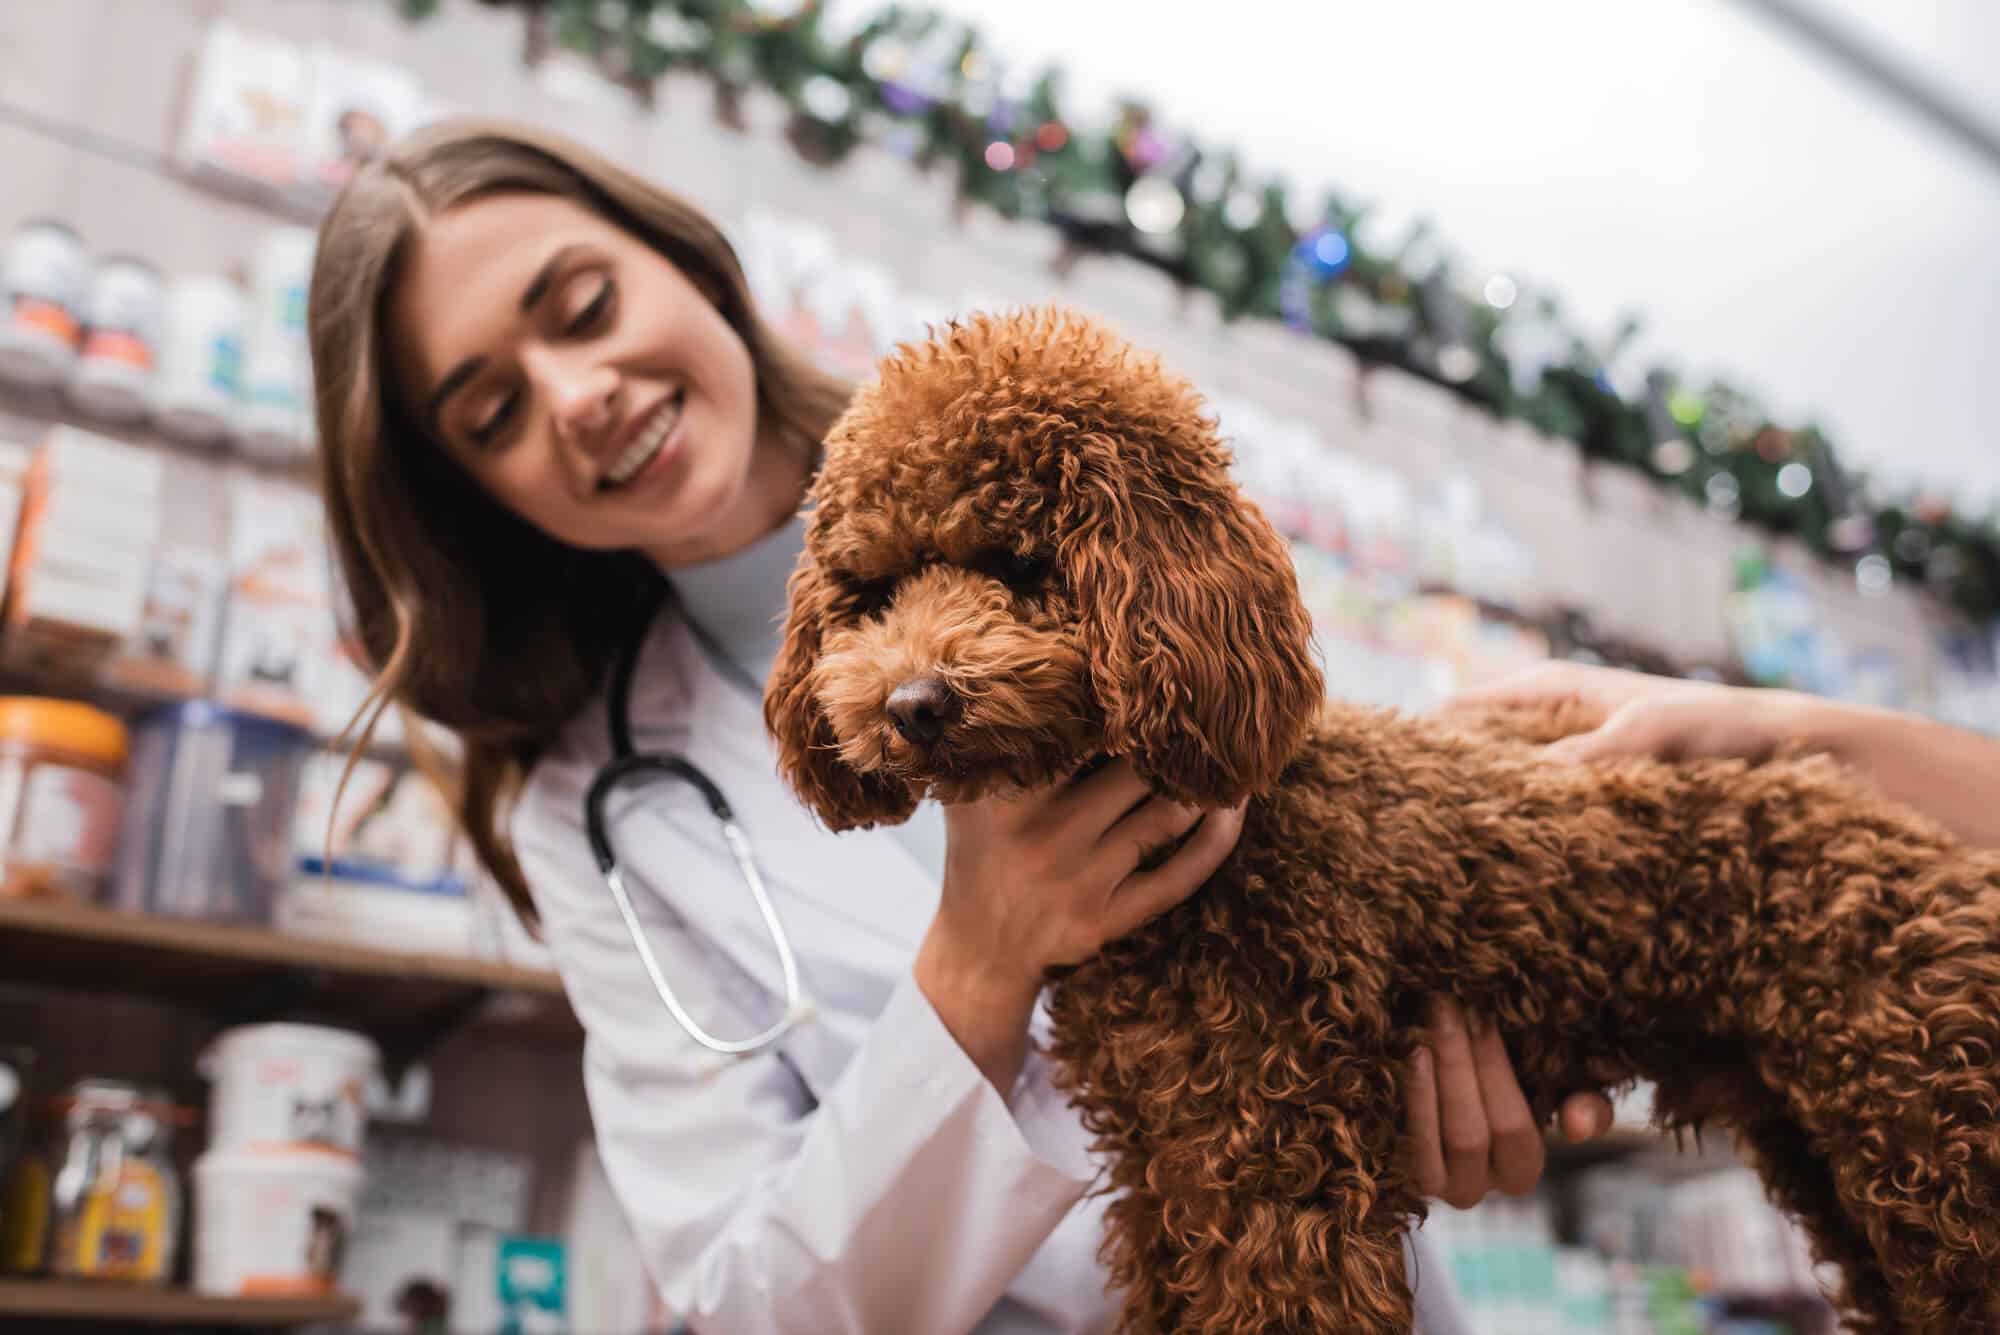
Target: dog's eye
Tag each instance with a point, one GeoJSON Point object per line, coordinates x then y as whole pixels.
{"type": "Point", "coordinates": [1023, 572]}
{"type": "Point", "coordinates": [871, 597]}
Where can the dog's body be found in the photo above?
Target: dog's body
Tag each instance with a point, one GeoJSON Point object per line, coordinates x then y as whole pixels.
{"type": "Point", "coordinates": [1040, 527]}
{"type": "Point", "coordinates": [1775, 953]}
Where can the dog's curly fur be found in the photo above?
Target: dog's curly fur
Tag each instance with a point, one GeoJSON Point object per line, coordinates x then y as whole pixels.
{"type": "Point", "coordinates": [1029, 511]}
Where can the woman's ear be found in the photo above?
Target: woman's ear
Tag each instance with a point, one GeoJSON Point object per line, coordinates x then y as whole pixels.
{"type": "Point", "coordinates": [808, 749]}
{"type": "Point", "coordinates": [1200, 648]}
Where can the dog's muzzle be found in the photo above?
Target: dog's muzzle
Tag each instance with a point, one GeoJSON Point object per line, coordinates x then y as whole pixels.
{"type": "Point", "coordinates": [921, 709]}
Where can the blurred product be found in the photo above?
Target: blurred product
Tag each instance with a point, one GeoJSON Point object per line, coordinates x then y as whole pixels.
{"type": "Point", "coordinates": [356, 107]}
{"type": "Point", "coordinates": [380, 874]}
{"type": "Point", "coordinates": [201, 359]}
{"type": "Point", "coordinates": [77, 579]}
{"type": "Point", "coordinates": [214, 794]}
{"type": "Point", "coordinates": [43, 277]}
{"type": "Point", "coordinates": [115, 1196]}
{"type": "Point", "coordinates": [62, 798]}
{"type": "Point", "coordinates": [246, 110]}
{"type": "Point", "coordinates": [272, 1222]}
{"type": "Point", "coordinates": [173, 652]}
{"type": "Point", "coordinates": [289, 1087]}
{"type": "Point", "coordinates": [276, 413]}
{"type": "Point", "coordinates": [278, 627]}
{"type": "Point", "coordinates": [531, 1286]}
{"type": "Point", "coordinates": [123, 317]}
{"type": "Point", "coordinates": [17, 1066]}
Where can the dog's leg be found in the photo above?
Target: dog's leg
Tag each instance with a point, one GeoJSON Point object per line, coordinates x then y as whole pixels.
{"type": "Point", "coordinates": [1800, 1182]}
{"type": "Point", "coordinates": [1910, 1113]}
{"type": "Point", "coordinates": [1251, 1142]}
{"type": "Point", "coordinates": [1269, 1218]}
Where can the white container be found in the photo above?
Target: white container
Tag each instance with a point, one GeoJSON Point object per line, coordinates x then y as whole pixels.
{"type": "Point", "coordinates": [44, 274]}
{"type": "Point", "coordinates": [288, 1086]}
{"type": "Point", "coordinates": [121, 341]}
{"type": "Point", "coordinates": [272, 1223]}
{"type": "Point", "coordinates": [276, 413]}
{"type": "Point", "coordinates": [201, 359]}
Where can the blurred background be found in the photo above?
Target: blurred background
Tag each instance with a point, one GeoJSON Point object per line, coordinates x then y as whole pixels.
{"type": "Point", "coordinates": [1660, 340]}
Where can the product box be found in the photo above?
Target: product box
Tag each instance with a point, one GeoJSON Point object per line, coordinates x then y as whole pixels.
{"type": "Point", "coordinates": [530, 1281]}
{"type": "Point", "coordinates": [89, 523]}
{"type": "Point", "coordinates": [246, 118]}
{"type": "Point", "coordinates": [354, 108]}
{"type": "Point", "coordinates": [277, 631]}
{"type": "Point", "coordinates": [173, 651]}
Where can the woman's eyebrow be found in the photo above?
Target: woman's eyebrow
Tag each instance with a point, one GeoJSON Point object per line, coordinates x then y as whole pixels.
{"type": "Point", "coordinates": [531, 296]}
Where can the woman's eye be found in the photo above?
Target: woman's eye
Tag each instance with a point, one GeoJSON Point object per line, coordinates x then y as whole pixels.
{"type": "Point", "coordinates": [593, 311]}
{"type": "Point", "coordinates": [495, 421]}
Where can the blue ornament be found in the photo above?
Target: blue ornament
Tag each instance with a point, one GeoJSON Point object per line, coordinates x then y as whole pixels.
{"type": "Point", "coordinates": [1323, 252]}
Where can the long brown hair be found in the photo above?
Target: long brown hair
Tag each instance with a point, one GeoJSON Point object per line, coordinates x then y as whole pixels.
{"type": "Point", "coordinates": [469, 616]}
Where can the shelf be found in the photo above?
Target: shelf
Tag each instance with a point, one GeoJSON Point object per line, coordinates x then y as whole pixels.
{"type": "Point", "coordinates": [242, 972]}
{"type": "Point", "coordinates": [24, 1301]}
{"type": "Point", "coordinates": [1655, 1151]}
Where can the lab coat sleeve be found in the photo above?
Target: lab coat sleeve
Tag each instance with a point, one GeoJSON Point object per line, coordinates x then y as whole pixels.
{"type": "Point", "coordinates": [908, 1199]}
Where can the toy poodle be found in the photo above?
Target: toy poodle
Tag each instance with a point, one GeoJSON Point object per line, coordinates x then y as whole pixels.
{"type": "Point", "coordinates": [1026, 552]}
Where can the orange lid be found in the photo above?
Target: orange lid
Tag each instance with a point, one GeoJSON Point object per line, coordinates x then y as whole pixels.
{"type": "Point", "coordinates": [63, 725]}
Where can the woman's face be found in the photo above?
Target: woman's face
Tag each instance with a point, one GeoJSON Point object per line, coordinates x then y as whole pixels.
{"type": "Point", "coordinates": [578, 375]}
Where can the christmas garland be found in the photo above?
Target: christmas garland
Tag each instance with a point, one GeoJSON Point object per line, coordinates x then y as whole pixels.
{"type": "Point", "coordinates": [922, 85]}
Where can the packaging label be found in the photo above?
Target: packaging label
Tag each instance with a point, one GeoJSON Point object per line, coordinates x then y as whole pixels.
{"type": "Point", "coordinates": [69, 817]}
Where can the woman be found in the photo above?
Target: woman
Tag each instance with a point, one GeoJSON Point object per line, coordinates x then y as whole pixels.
{"type": "Point", "coordinates": [552, 425]}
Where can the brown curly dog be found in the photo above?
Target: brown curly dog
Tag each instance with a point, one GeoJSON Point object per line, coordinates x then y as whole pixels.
{"type": "Point", "coordinates": [1027, 552]}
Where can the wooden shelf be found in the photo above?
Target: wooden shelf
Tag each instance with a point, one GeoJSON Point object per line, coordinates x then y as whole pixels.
{"type": "Point", "coordinates": [23, 1302]}
{"type": "Point", "coordinates": [1646, 1147]}
{"type": "Point", "coordinates": [244, 972]}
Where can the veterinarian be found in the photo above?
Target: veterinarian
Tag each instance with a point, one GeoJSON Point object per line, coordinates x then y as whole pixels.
{"type": "Point", "coordinates": [557, 441]}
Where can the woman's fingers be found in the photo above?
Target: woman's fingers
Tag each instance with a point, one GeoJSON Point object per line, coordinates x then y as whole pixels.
{"type": "Point", "coordinates": [1516, 1154]}
{"type": "Point", "coordinates": [1462, 1129]}
{"type": "Point", "coordinates": [1425, 1138]}
{"type": "Point", "coordinates": [1584, 1117]}
{"type": "Point", "coordinates": [1145, 895]}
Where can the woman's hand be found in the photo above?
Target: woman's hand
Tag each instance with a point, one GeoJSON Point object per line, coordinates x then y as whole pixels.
{"type": "Point", "coordinates": [1662, 717]}
{"type": "Point", "coordinates": [1045, 879]}
{"type": "Point", "coordinates": [1469, 1129]}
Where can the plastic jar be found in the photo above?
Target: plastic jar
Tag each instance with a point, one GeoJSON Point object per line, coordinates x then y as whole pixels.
{"type": "Point", "coordinates": [288, 1087]}
{"type": "Point", "coordinates": [208, 833]}
{"type": "Point", "coordinates": [272, 1223]}
{"type": "Point", "coordinates": [62, 798]}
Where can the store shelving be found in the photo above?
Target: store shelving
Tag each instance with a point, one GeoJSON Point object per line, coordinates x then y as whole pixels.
{"type": "Point", "coordinates": [38, 1304]}
{"type": "Point", "coordinates": [242, 972]}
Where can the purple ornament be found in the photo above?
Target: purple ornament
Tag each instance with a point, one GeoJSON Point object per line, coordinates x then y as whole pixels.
{"type": "Point", "coordinates": [903, 99]}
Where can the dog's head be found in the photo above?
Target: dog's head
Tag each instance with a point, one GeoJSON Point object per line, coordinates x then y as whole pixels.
{"type": "Point", "coordinates": [1026, 552]}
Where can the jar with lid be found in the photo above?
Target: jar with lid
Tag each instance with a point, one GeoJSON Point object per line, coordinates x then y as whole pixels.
{"type": "Point", "coordinates": [62, 798]}
{"type": "Point", "coordinates": [114, 1197]}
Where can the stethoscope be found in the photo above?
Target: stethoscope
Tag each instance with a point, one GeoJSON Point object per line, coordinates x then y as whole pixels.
{"type": "Point", "coordinates": [628, 763]}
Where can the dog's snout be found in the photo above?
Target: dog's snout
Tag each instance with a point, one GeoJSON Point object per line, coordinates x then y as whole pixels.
{"type": "Point", "coordinates": [921, 709]}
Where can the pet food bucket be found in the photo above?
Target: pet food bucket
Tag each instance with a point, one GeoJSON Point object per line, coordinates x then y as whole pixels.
{"type": "Point", "coordinates": [288, 1086]}
{"type": "Point", "coordinates": [270, 1223]}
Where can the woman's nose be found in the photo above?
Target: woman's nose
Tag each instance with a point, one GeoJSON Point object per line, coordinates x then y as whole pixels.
{"type": "Point", "coordinates": [582, 399]}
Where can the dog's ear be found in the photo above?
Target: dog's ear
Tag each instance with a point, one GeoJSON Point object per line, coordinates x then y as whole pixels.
{"type": "Point", "coordinates": [808, 750]}
{"type": "Point", "coordinates": [1200, 648]}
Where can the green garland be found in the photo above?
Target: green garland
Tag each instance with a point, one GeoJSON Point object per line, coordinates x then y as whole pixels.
{"type": "Point", "coordinates": [923, 85]}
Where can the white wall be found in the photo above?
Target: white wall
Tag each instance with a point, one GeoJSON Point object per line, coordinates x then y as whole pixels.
{"type": "Point", "coordinates": [1766, 214]}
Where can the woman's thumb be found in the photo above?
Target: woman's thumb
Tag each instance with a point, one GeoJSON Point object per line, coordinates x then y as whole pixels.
{"type": "Point", "coordinates": [1581, 747]}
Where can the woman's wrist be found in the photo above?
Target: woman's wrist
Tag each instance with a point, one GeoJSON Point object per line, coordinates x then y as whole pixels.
{"type": "Point", "coordinates": [1850, 733]}
{"type": "Point", "coordinates": [985, 1008]}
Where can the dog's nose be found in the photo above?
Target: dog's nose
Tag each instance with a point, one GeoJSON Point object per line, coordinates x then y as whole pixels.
{"type": "Point", "coordinates": [921, 709]}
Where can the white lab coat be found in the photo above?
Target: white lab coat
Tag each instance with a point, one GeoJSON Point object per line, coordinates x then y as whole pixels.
{"type": "Point", "coordinates": [863, 1177]}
